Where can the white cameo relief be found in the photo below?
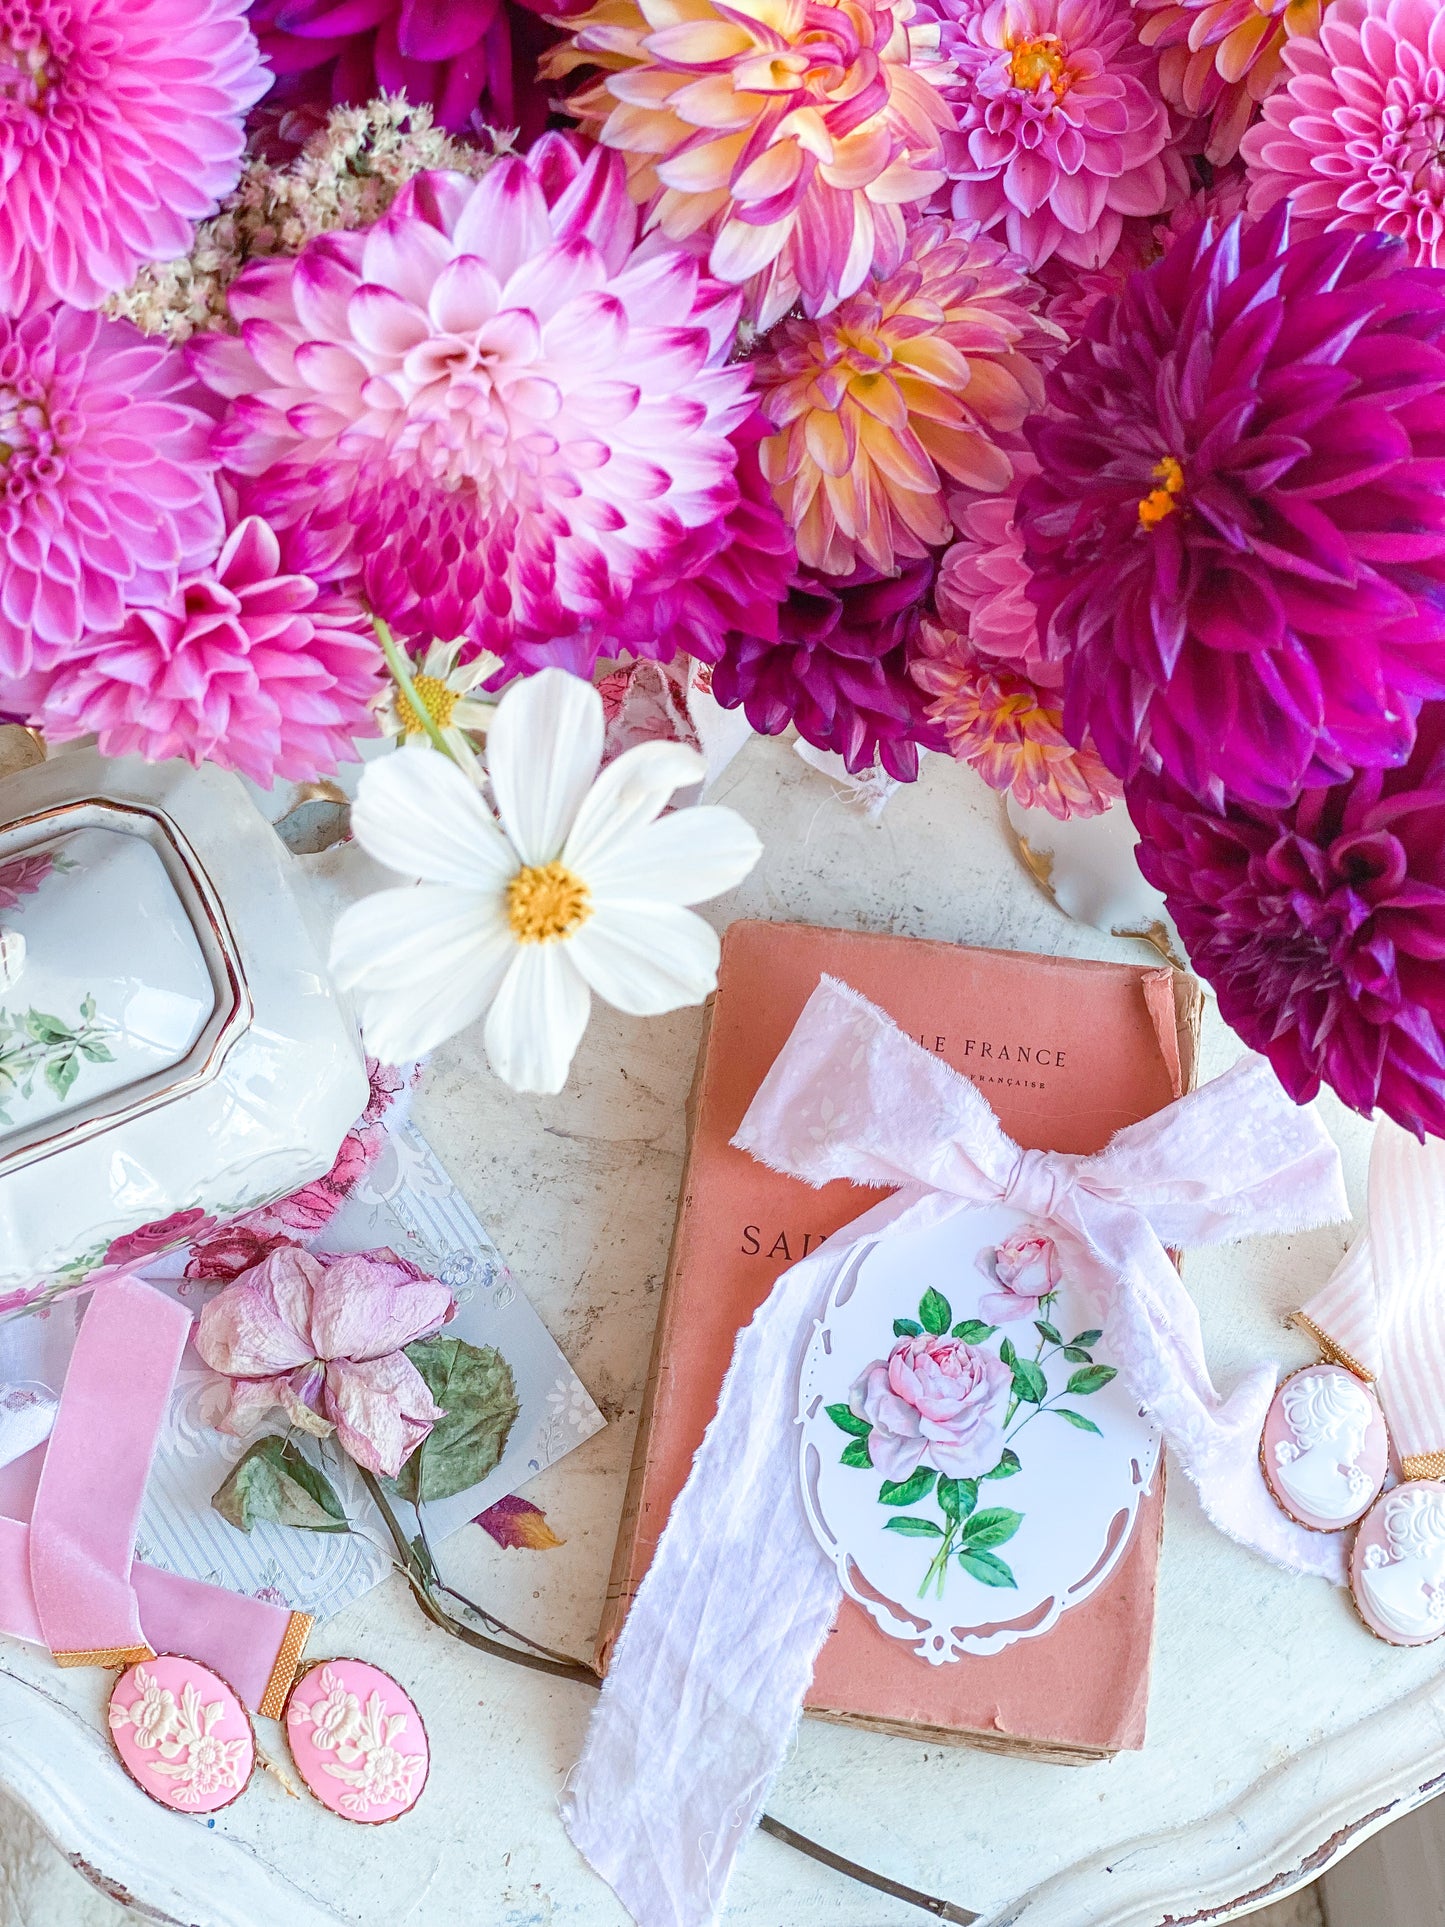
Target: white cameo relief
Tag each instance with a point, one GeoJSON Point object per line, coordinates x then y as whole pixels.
{"type": "Point", "coordinates": [1330, 1415]}
{"type": "Point", "coordinates": [375, 1771]}
{"type": "Point", "coordinates": [1406, 1592]}
{"type": "Point", "coordinates": [191, 1756]}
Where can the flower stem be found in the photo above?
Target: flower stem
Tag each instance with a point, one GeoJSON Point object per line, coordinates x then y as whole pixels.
{"type": "Point", "coordinates": [939, 1567]}
{"type": "Point", "coordinates": [397, 663]}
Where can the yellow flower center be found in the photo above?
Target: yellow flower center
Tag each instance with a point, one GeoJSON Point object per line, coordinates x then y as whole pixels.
{"type": "Point", "coordinates": [546, 901]}
{"type": "Point", "coordinates": [1041, 59]}
{"type": "Point", "coordinates": [436, 699]}
{"type": "Point", "coordinates": [1163, 500]}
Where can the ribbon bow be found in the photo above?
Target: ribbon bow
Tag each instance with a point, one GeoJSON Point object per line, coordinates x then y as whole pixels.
{"type": "Point", "coordinates": [707, 1679]}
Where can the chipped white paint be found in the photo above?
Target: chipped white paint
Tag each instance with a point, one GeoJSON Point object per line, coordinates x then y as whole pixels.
{"type": "Point", "coordinates": [1280, 1734]}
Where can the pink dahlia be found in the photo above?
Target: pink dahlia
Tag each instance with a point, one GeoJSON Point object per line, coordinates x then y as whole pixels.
{"type": "Point", "coordinates": [1063, 132]}
{"type": "Point", "coordinates": [1322, 927]}
{"type": "Point", "coordinates": [471, 61]}
{"type": "Point", "coordinates": [1008, 727]}
{"type": "Point", "coordinates": [120, 124]}
{"type": "Point", "coordinates": [919, 382]}
{"type": "Point", "coordinates": [1356, 135]}
{"type": "Point", "coordinates": [109, 491]}
{"type": "Point", "coordinates": [493, 408]}
{"type": "Point", "coordinates": [790, 134]}
{"type": "Point", "coordinates": [245, 665]}
{"type": "Point", "coordinates": [1218, 59]}
{"type": "Point", "coordinates": [983, 589]}
{"type": "Point", "coordinates": [1238, 532]}
{"type": "Point", "coordinates": [838, 669]}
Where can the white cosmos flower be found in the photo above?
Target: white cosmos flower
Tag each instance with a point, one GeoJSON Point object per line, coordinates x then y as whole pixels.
{"type": "Point", "coordinates": [444, 687]}
{"type": "Point", "coordinates": [580, 887]}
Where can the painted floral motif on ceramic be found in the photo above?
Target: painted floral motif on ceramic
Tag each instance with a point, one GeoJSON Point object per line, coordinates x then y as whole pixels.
{"type": "Point", "coordinates": [990, 1462]}
{"type": "Point", "coordinates": [1325, 1448]}
{"type": "Point", "coordinates": [1397, 1566]}
{"type": "Point", "coordinates": [182, 1734]}
{"type": "Point", "coordinates": [357, 1740]}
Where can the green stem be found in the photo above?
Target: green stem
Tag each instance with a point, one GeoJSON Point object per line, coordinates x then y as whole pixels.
{"type": "Point", "coordinates": [940, 1562]}
{"type": "Point", "coordinates": [400, 669]}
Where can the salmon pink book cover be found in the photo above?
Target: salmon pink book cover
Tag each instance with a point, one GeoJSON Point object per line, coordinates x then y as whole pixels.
{"type": "Point", "coordinates": [1067, 1052]}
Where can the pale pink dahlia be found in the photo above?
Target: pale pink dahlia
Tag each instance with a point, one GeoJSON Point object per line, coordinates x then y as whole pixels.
{"type": "Point", "coordinates": [791, 134]}
{"type": "Point", "coordinates": [492, 409]}
{"type": "Point", "coordinates": [107, 485]}
{"type": "Point", "coordinates": [1356, 135]}
{"type": "Point", "coordinates": [120, 124]}
{"type": "Point", "coordinates": [1063, 132]}
{"type": "Point", "coordinates": [983, 589]}
{"type": "Point", "coordinates": [245, 665]}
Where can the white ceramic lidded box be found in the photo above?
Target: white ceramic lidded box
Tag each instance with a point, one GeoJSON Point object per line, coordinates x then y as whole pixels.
{"type": "Point", "coordinates": [172, 1052]}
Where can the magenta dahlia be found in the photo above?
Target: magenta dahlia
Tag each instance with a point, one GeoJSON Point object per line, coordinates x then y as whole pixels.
{"type": "Point", "coordinates": [839, 669]}
{"type": "Point", "coordinates": [1322, 927]}
{"type": "Point", "coordinates": [107, 484]}
{"type": "Point", "coordinates": [1238, 531]}
{"type": "Point", "coordinates": [1356, 135]}
{"type": "Point", "coordinates": [120, 124]}
{"type": "Point", "coordinates": [471, 61]}
{"type": "Point", "coordinates": [246, 665]}
{"type": "Point", "coordinates": [1063, 131]}
{"type": "Point", "coordinates": [493, 409]}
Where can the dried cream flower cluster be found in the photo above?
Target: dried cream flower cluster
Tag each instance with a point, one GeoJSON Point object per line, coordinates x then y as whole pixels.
{"type": "Point", "coordinates": [346, 176]}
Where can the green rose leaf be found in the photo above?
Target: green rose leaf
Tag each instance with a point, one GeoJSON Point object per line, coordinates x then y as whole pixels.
{"type": "Point", "coordinates": [856, 1453]}
{"type": "Point", "coordinates": [847, 1420]}
{"type": "Point", "coordinates": [1030, 1385]}
{"type": "Point", "coordinates": [906, 1328]}
{"type": "Point", "coordinates": [61, 1073]}
{"type": "Point", "coordinates": [1007, 1353]}
{"type": "Point", "coordinates": [936, 1312]}
{"type": "Point", "coordinates": [1094, 1379]}
{"type": "Point", "coordinates": [1048, 1331]}
{"type": "Point", "coordinates": [907, 1491]}
{"type": "Point", "coordinates": [271, 1480]}
{"type": "Point", "coordinates": [46, 1029]}
{"type": "Point", "coordinates": [1076, 1355]}
{"type": "Point", "coordinates": [987, 1567]}
{"type": "Point", "coordinates": [474, 1386]}
{"type": "Point", "coordinates": [973, 1331]}
{"type": "Point", "coordinates": [1077, 1419]}
{"type": "Point", "coordinates": [992, 1527]}
{"type": "Point", "coordinates": [87, 1007]}
{"type": "Point", "coordinates": [1007, 1465]}
{"type": "Point", "coordinates": [1087, 1338]}
{"type": "Point", "coordinates": [958, 1497]}
{"type": "Point", "coordinates": [915, 1528]}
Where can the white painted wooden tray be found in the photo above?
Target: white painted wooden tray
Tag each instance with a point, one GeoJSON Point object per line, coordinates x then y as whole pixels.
{"type": "Point", "coordinates": [1280, 1734]}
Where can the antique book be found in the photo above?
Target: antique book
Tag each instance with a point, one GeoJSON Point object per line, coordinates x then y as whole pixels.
{"type": "Point", "coordinates": [1067, 1052]}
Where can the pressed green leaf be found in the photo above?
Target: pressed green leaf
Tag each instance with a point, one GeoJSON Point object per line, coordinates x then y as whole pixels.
{"type": "Point", "coordinates": [992, 1527]}
{"type": "Point", "coordinates": [847, 1420]}
{"type": "Point", "coordinates": [855, 1453]}
{"type": "Point", "coordinates": [1078, 1419]}
{"type": "Point", "coordinates": [1093, 1379]}
{"type": "Point", "coordinates": [1007, 1465]}
{"type": "Point", "coordinates": [907, 1491]}
{"type": "Point", "coordinates": [1048, 1331]}
{"type": "Point", "coordinates": [915, 1528]}
{"type": "Point", "coordinates": [1030, 1385]}
{"type": "Point", "coordinates": [273, 1481]}
{"type": "Point", "coordinates": [906, 1328]}
{"type": "Point", "coordinates": [936, 1312]}
{"type": "Point", "coordinates": [958, 1497]}
{"type": "Point", "coordinates": [973, 1331]}
{"type": "Point", "coordinates": [1087, 1338]}
{"type": "Point", "coordinates": [986, 1566]}
{"type": "Point", "coordinates": [474, 1386]}
{"type": "Point", "coordinates": [1076, 1355]}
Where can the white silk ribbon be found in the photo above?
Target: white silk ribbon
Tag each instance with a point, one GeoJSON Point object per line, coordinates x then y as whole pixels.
{"type": "Point", "coordinates": [709, 1674]}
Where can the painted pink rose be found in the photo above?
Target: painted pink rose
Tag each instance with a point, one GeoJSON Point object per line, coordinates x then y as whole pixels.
{"type": "Point", "coordinates": [322, 1338]}
{"type": "Point", "coordinates": [181, 1227]}
{"type": "Point", "coordinates": [935, 1401]}
{"type": "Point", "coordinates": [220, 1259]}
{"type": "Point", "coordinates": [23, 877]}
{"type": "Point", "coordinates": [1026, 1268]}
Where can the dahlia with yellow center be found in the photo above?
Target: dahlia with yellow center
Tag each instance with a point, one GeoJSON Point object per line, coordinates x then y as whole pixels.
{"type": "Point", "coordinates": [917, 384]}
{"type": "Point", "coordinates": [1222, 58]}
{"type": "Point", "coordinates": [792, 134]}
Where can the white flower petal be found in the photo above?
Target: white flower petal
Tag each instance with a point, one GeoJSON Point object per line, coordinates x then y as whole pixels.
{"type": "Point", "coordinates": [645, 958]}
{"type": "Point", "coordinates": [544, 747]}
{"type": "Point", "coordinates": [538, 1018]}
{"type": "Point", "coordinates": [422, 964]}
{"type": "Point", "coordinates": [629, 793]}
{"type": "Point", "coordinates": [416, 812]}
{"type": "Point", "coordinates": [683, 858]}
